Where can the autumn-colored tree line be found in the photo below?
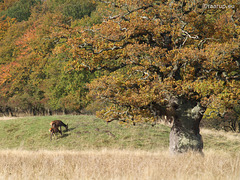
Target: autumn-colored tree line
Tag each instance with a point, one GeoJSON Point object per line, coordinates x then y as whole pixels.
{"type": "Point", "coordinates": [137, 57]}
{"type": "Point", "coordinates": [35, 76]}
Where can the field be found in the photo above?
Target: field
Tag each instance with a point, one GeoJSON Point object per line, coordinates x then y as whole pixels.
{"type": "Point", "coordinates": [91, 149]}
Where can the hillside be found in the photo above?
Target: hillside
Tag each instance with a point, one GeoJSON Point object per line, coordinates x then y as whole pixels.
{"type": "Point", "coordinates": [89, 133]}
{"type": "Point", "coordinates": [85, 132]}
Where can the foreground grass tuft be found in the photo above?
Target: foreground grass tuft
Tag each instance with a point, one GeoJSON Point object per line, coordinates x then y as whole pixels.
{"type": "Point", "coordinates": [117, 164]}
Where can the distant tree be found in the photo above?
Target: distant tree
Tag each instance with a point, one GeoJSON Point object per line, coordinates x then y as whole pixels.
{"type": "Point", "coordinates": [23, 71]}
{"type": "Point", "coordinates": [219, 117]}
{"type": "Point", "coordinates": [78, 9]}
{"type": "Point", "coordinates": [35, 77]}
{"type": "Point", "coordinates": [65, 88]}
{"type": "Point", "coordinates": [34, 73]}
{"type": "Point", "coordinates": [21, 10]}
{"type": "Point", "coordinates": [162, 58]}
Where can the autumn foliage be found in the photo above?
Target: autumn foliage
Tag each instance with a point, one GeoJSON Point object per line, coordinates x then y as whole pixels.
{"type": "Point", "coordinates": [150, 51]}
{"type": "Point", "coordinates": [135, 56]}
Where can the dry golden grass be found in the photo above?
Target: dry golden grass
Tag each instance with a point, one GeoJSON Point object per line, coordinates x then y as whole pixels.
{"type": "Point", "coordinates": [232, 136]}
{"type": "Point", "coordinates": [117, 164]}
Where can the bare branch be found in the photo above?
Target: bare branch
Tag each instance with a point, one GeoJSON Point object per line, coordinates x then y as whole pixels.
{"type": "Point", "coordinates": [200, 44]}
{"type": "Point", "coordinates": [192, 37]}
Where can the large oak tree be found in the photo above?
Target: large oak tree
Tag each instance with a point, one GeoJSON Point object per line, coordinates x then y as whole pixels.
{"type": "Point", "coordinates": [163, 58]}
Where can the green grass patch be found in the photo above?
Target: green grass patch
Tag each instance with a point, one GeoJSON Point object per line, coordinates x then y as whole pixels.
{"type": "Point", "coordinates": [85, 132]}
{"type": "Point", "coordinates": [89, 132]}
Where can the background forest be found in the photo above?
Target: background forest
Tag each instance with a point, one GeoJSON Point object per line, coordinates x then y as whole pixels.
{"type": "Point", "coordinates": [60, 56]}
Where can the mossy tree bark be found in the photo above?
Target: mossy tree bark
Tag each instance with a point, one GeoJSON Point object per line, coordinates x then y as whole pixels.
{"type": "Point", "coordinates": [185, 133]}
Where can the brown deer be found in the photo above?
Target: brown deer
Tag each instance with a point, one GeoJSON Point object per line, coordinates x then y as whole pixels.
{"type": "Point", "coordinates": [53, 131]}
{"type": "Point", "coordinates": [58, 123]}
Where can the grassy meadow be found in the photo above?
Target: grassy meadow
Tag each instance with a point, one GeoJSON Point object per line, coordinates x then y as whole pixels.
{"type": "Point", "coordinates": [85, 132]}
{"type": "Point", "coordinates": [92, 149]}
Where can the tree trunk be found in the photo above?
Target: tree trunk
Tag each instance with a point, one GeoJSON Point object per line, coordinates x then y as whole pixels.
{"type": "Point", "coordinates": [184, 135]}
{"type": "Point", "coordinates": [49, 112]}
{"type": "Point", "coordinates": [9, 111]}
{"type": "Point", "coordinates": [64, 111]}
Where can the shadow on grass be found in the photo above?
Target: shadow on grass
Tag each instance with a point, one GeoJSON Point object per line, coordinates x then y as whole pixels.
{"type": "Point", "coordinates": [70, 129]}
{"type": "Point", "coordinates": [64, 135]}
